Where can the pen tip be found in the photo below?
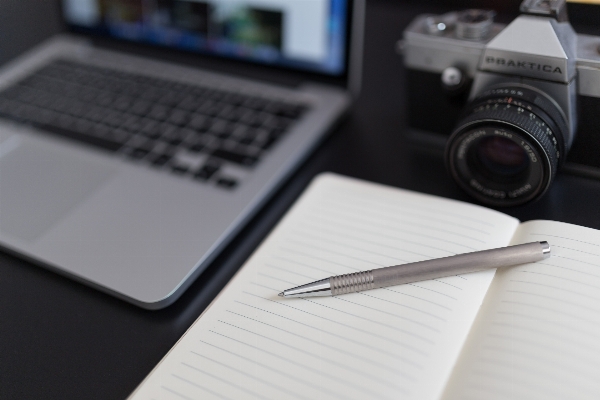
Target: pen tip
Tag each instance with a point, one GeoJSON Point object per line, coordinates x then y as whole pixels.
{"type": "Point", "coordinates": [281, 294]}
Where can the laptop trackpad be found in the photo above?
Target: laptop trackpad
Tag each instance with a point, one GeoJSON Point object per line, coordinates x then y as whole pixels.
{"type": "Point", "coordinates": [39, 186]}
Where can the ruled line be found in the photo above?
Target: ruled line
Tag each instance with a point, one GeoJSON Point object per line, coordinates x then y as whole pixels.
{"type": "Point", "coordinates": [381, 351]}
{"type": "Point", "coordinates": [431, 290]}
{"type": "Point", "coordinates": [254, 377]}
{"type": "Point", "coordinates": [324, 218]}
{"type": "Point", "coordinates": [287, 271]}
{"type": "Point", "coordinates": [360, 372]}
{"type": "Point", "coordinates": [338, 253]}
{"type": "Point", "coordinates": [565, 238]}
{"type": "Point", "coordinates": [275, 278]}
{"type": "Point", "coordinates": [387, 215]}
{"type": "Point", "coordinates": [288, 250]}
{"type": "Point", "coordinates": [561, 278]}
{"type": "Point", "coordinates": [510, 351]}
{"type": "Point", "coordinates": [200, 387]}
{"type": "Point", "coordinates": [221, 379]}
{"type": "Point", "coordinates": [375, 309]}
{"type": "Point", "coordinates": [446, 283]}
{"type": "Point", "coordinates": [176, 393]}
{"type": "Point", "coordinates": [378, 323]}
{"type": "Point", "coordinates": [418, 298]}
{"type": "Point", "coordinates": [520, 303]}
{"type": "Point", "coordinates": [302, 264]}
{"type": "Point", "coordinates": [310, 229]}
{"type": "Point", "coordinates": [266, 287]}
{"type": "Point", "coordinates": [580, 261]}
{"type": "Point", "coordinates": [351, 354]}
{"type": "Point", "coordinates": [579, 251]}
{"type": "Point", "coordinates": [355, 316]}
{"type": "Point", "coordinates": [399, 205]}
{"type": "Point", "coordinates": [527, 384]}
{"type": "Point", "coordinates": [297, 364]}
{"type": "Point", "coordinates": [544, 333]}
{"type": "Point", "coordinates": [387, 225]}
{"type": "Point", "coordinates": [568, 269]}
{"type": "Point", "coordinates": [408, 307]}
{"type": "Point", "coordinates": [352, 247]}
{"type": "Point", "coordinates": [557, 288]}
{"type": "Point", "coordinates": [563, 301]}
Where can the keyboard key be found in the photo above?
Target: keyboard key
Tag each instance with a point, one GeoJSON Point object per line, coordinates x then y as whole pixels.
{"type": "Point", "coordinates": [235, 157]}
{"type": "Point", "coordinates": [159, 113]}
{"type": "Point", "coordinates": [160, 159]}
{"type": "Point", "coordinates": [206, 172]}
{"type": "Point", "coordinates": [118, 135]}
{"type": "Point", "coordinates": [138, 153]}
{"type": "Point", "coordinates": [140, 107]}
{"type": "Point", "coordinates": [179, 169]}
{"type": "Point", "coordinates": [115, 118]}
{"type": "Point", "coordinates": [228, 183]}
{"type": "Point", "coordinates": [196, 147]}
{"type": "Point", "coordinates": [122, 103]}
{"type": "Point", "coordinates": [178, 117]}
{"type": "Point", "coordinates": [199, 122]}
{"type": "Point", "coordinates": [151, 129]}
{"type": "Point", "coordinates": [220, 128]}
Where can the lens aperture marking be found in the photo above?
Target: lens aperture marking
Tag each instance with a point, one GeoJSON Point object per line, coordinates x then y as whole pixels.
{"type": "Point", "coordinates": [520, 191]}
{"type": "Point", "coordinates": [529, 151]}
{"type": "Point", "coordinates": [465, 143]}
{"type": "Point", "coordinates": [498, 194]}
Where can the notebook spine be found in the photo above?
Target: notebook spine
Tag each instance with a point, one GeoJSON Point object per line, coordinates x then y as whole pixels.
{"type": "Point", "coordinates": [355, 282]}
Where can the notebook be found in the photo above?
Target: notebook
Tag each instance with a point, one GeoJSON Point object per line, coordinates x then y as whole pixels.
{"type": "Point", "coordinates": [528, 331]}
{"type": "Point", "coordinates": [136, 146]}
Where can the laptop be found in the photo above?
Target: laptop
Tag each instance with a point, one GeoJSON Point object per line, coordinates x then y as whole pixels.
{"type": "Point", "coordinates": [129, 171]}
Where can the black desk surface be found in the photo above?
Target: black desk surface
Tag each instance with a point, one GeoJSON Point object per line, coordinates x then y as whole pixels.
{"type": "Point", "coordinates": [61, 339]}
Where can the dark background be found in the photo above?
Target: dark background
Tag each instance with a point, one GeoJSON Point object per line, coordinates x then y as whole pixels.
{"type": "Point", "coordinates": [61, 340]}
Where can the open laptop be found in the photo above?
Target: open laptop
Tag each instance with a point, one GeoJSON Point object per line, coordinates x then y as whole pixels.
{"type": "Point", "coordinates": [130, 173]}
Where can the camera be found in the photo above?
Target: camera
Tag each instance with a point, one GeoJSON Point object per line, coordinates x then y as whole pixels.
{"type": "Point", "coordinates": [512, 103]}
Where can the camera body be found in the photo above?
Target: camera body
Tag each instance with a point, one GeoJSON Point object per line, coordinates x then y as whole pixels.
{"type": "Point", "coordinates": [510, 103]}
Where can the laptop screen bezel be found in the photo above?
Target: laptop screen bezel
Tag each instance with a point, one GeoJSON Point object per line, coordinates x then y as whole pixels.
{"type": "Point", "coordinates": [255, 70]}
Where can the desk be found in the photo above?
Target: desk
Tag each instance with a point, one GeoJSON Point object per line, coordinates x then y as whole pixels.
{"type": "Point", "coordinates": [62, 340]}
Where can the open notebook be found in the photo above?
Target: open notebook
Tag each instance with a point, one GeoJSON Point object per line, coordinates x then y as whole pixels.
{"type": "Point", "coordinates": [535, 335]}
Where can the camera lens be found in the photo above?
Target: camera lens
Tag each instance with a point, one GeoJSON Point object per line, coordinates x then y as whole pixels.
{"type": "Point", "coordinates": [508, 146]}
{"type": "Point", "coordinates": [500, 159]}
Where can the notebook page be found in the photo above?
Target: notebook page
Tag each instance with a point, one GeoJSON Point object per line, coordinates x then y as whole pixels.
{"type": "Point", "coordinates": [537, 333]}
{"type": "Point", "coordinates": [384, 343]}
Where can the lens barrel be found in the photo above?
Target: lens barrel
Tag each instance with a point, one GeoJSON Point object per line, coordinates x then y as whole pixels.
{"type": "Point", "coordinates": [508, 146]}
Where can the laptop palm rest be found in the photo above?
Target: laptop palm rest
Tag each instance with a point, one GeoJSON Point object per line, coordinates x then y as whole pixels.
{"type": "Point", "coordinates": [39, 186]}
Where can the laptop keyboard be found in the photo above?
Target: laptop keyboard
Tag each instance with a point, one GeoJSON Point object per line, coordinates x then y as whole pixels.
{"type": "Point", "coordinates": [206, 134]}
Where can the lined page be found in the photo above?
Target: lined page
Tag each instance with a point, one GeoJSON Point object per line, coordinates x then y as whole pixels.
{"type": "Point", "coordinates": [537, 333]}
{"type": "Point", "coordinates": [397, 342]}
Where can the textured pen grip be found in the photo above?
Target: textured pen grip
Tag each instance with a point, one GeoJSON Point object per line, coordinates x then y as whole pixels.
{"type": "Point", "coordinates": [348, 283]}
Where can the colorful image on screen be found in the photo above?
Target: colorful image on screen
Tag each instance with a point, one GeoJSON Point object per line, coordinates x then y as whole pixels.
{"type": "Point", "coordinates": [305, 34]}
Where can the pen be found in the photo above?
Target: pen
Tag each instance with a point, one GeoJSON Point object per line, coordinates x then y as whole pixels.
{"type": "Point", "coordinates": [423, 270]}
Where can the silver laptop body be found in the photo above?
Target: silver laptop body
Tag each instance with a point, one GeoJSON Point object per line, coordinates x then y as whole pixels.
{"type": "Point", "coordinates": [142, 234]}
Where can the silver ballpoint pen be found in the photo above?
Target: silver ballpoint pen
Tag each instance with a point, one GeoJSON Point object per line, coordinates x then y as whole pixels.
{"type": "Point", "coordinates": [423, 270]}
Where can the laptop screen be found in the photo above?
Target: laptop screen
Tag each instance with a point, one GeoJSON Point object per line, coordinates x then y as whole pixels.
{"type": "Point", "coordinates": [309, 35]}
